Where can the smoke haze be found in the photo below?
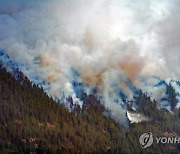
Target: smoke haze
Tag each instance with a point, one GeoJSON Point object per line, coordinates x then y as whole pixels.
{"type": "Point", "coordinates": [106, 42]}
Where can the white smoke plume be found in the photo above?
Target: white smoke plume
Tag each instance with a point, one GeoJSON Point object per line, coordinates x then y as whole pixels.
{"type": "Point", "coordinates": [106, 42]}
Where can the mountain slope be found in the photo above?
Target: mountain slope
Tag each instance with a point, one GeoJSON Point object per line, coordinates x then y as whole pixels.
{"type": "Point", "coordinates": [30, 121]}
{"type": "Point", "coordinates": [33, 122]}
{"type": "Point", "coordinates": [120, 94]}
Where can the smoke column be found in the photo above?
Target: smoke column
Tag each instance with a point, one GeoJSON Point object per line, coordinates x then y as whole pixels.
{"type": "Point", "coordinates": [106, 42]}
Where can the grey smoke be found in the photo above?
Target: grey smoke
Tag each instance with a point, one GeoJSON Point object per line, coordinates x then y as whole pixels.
{"type": "Point", "coordinates": [105, 41]}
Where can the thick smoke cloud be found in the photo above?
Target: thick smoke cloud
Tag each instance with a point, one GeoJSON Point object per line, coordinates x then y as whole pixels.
{"type": "Point", "coordinates": [106, 42]}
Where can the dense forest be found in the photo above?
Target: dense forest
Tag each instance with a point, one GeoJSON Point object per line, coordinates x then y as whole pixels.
{"type": "Point", "coordinates": [31, 122]}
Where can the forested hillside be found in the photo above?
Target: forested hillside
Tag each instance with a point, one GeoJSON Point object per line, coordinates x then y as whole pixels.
{"type": "Point", "coordinates": [30, 121]}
